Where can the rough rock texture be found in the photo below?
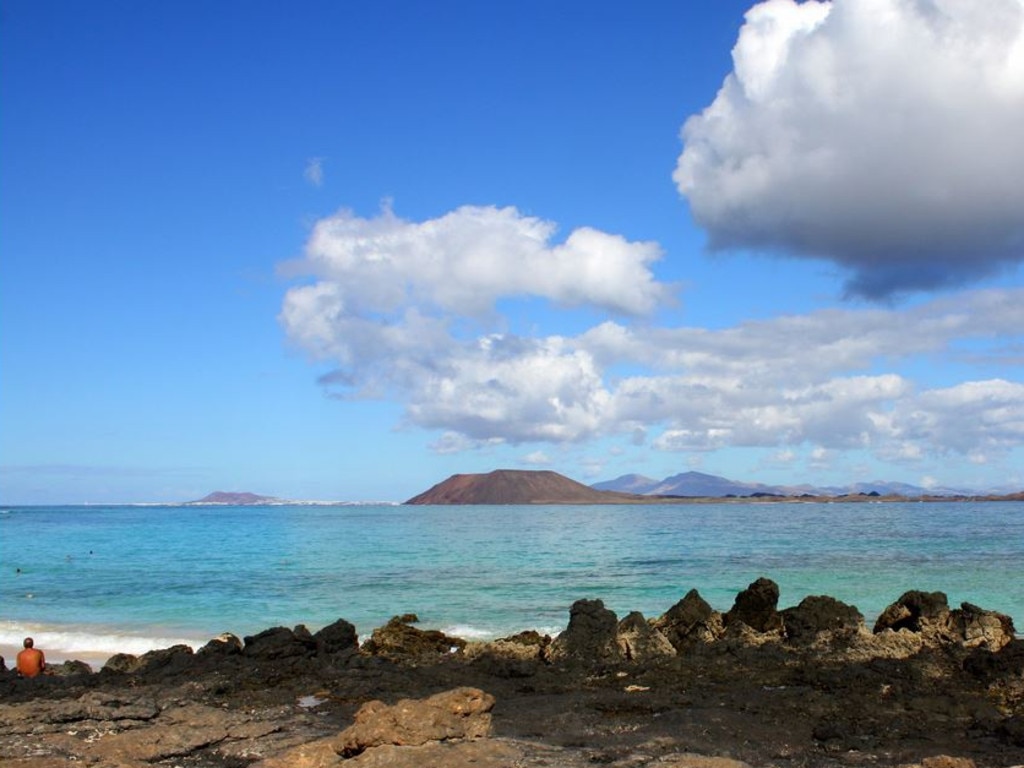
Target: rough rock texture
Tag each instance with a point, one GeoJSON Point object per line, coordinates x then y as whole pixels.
{"type": "Point", "coordinates": [399, 638]}
{"type": "Point", "coordinates": [337, 638]}
{"type": "Point", "coordinates": [825, 693]}
{"type": "Point", "coordinates": [280, 643]}
{"type": "Point", "coordinates": [819, 615]}
{"type": "Point", "coordinates": [225, 644]}
{"type": "Point", "coordinates": [639, 641]}
{"type": "Point", "coordinates": [977, 628]}
{"type": "Point", "coordinates": [591, 635]}
{"type": "Point", "coordinates": [689, 622]}
{"type": "Point", "coordinates": [463, 713]}
{"type": "Point", "coordinates": [916, 611]}
{"type": "Point", "coordinates": [928, 614]}
{"type": "Point", "coordinates": [756, 606]}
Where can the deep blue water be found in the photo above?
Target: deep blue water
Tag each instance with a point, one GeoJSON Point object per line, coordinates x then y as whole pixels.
{"type": "Point", "coordinates": [96, 580]}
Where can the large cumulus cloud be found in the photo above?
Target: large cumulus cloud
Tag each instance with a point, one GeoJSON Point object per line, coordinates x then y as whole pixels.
{"type": "Point", "coordinates": [883, 135]}
{"type": "Point", "coordinates": [416, 311]}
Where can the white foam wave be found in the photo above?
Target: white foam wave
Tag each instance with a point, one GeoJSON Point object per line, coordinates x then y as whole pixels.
{"type": "Point", "coordinates": [85, 643]}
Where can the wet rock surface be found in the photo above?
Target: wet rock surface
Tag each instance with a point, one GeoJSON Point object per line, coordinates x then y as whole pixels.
{"type": "Point", "coordinates": [802, 686]}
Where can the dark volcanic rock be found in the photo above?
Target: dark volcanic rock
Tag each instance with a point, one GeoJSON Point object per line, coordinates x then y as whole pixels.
{"type": "Point", "coordinates": [69, 668]}
{"type": "Point", "coordinates": [821, 614]}
{"type": "Point", "coordinates": [171, 661]}
{"type": "Point", "coordinates": [280, 643]}
{"type": "Point", "coordinates": [756, 606]}
{"type": "Point", "coordinates": [337, 638]}
{"type": "Point", "coordinates": [399, 638]}
{"type": "Point", "coordinates": [590, 636]}
{"type": "Point", "coordinates": [890, 700]}
{"type": "Point", "coordinates": [916, 611]}
{"type": "Point", "coordinates": [689, 622]}
{"type": "Point", "coordinates": [225, 644]}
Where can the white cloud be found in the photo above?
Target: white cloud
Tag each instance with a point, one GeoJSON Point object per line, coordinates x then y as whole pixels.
{"type": "Point", "coordinates": [314, 172]}
{"type": "Point", "coordinates": [413, 312]}
{"type": "Point", "coordinates": [979, 419]}
{"type": "Point", "coordinates": [536, 459]}
{"type": "Point", "coordinates": [883, 135]}
{"type": "Point", "coordinates": [466, 260]}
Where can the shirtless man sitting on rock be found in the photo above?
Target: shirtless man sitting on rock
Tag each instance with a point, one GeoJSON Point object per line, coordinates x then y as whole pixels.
{"type": "Point", "coordinates": [31, 661]}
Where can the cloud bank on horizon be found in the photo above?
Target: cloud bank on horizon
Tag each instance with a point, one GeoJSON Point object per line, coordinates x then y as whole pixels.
{"type": "Point", "coordinates": [879, 136]}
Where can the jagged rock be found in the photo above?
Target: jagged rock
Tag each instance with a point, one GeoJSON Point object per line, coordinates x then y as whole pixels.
{"type": "Point", "coordinates": [225, 644]}
{"type": "Point", "coordinates": [639, 641]}
{"type": "Point", "coordinates": [884, 645]}
{"type": "Point", "coordinates": [590, 636]}
{"type": "Point", "coordinates": [280, 643]}
{"type": "Point", "coordinates": [916, 611]}
{"type": "Point", "coordinates": [819, 615]}
{"type": "Point", "coordinates": [756, 606]}
{"type": "Point", "coordinates": [689, 622]}
{"type": "Point", "coordinates": [163, 661]}
{"type": "Point", "coordinates": [337, 638]}
{"type": "Point", "coordinates": [69, 669]}
{"type": "Point", "coordinates": [978, 628]}
{"type": "Point", "coordinates": [121, 662]}
{"type": "Point", "coordinates": [517, 656]}
{"type": "Point", "coordinates": [462, 713]}
{"type": "Point", "coordinates": [398, 638]}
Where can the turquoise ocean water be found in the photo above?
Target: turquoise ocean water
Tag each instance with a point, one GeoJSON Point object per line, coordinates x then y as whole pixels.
{"type": "Point", "coordinates": [91, 581]}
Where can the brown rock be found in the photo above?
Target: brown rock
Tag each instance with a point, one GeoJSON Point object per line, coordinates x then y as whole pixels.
{"type": "Point", "coordinates": [314, 754]}
{"type": "Point", "coordinates": [945, 761]}
{"type": "Point", "coordinates": [462, 713]}
{"type": "Point", "coordinates": [466, 754]}
{"type": "Point", "coordinates": [700, 761]}
{"type": "Point", "coordinates": [177, 733]}
{"type": "Point", "coordinates": [977, 628]}
{"type": "Point", "coordinates": [398, 638]}
{"type": "Point", "coordinates": [639, 641]}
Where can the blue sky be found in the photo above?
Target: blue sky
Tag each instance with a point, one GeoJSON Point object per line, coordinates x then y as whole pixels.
{"type": "Point", "coordinates": [344, 250]}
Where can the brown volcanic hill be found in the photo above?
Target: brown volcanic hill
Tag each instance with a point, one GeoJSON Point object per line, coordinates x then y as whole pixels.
{"type": "Point", "coordinates": [516, 486]}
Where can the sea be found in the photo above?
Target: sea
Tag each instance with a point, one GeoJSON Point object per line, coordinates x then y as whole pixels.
{"type": "Point", "coordinates": [91, 581]}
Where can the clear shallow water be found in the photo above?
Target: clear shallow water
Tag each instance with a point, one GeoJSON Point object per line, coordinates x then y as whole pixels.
{"type": "Point", "coordinates": [99, 580]}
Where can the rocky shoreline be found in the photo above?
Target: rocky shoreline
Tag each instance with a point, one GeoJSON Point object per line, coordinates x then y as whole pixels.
{"type": "Point", "coordinates": [809, 685]}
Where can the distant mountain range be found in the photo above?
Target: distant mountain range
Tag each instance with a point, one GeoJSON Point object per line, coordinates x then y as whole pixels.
{"type": "Point", "coordinates": [517, 486]}
{"type": "Point", "coordinates": [705, 485]}
{"type": "Point", "coordinates": [235, 499]}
